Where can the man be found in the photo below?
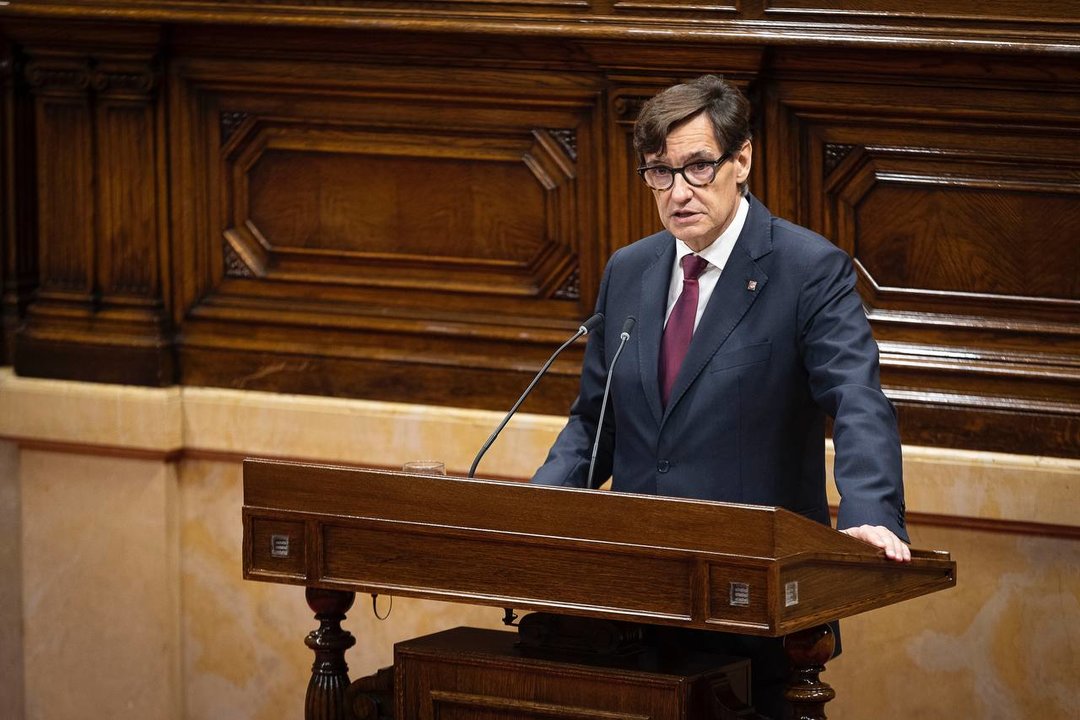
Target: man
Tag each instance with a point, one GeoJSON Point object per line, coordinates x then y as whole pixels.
{"type": "Point", "coordinates": [749, 331]}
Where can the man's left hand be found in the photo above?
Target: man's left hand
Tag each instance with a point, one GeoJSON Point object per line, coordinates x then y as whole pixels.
{"type": "Point", "coordinates": [884, 538]}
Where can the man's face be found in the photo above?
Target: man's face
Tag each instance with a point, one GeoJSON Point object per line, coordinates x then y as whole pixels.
{"type": "Point", "coordinates": [697, 215]}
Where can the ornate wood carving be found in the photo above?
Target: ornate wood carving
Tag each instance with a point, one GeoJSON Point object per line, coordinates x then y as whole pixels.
{"type": "Point", "coordinates": [568, 140]}
{"type": "Point", "coordinates": [834, 155]}
{"type": "Point", "coordinates": [571, 289]}
{"type": "Point", "coordinates": [628, 107]}
{"type": "Point", "coordinates": [230, 123]}
{"type": "Point", "coordinates": [236, 266]}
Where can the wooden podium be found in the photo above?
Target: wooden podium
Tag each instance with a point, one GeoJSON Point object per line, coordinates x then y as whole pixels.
{"type": "Point", "coordinates": [591, 554]}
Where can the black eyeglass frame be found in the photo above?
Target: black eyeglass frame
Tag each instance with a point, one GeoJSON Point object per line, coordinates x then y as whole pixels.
{"type": "Point", "coordinates": [682, 171]}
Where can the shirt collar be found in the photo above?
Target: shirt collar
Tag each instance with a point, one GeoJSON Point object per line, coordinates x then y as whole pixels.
{"type": "Point", "coordinates": [718, 252]}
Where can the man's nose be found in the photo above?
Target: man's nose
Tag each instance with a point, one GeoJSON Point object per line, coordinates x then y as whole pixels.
{"type": "Point", "coordinates": [681, 190]}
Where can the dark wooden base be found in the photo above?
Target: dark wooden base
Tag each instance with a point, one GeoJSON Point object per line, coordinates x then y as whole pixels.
{"type": "Point", "coordinates": [145, 362]}
{"type": "Point", "coordinates": [472, 674]}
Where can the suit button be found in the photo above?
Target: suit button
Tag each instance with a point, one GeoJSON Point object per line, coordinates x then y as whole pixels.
{"type": "Point", "coordinates": [663, 466]}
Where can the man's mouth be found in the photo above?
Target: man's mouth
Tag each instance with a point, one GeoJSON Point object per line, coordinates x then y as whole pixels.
{"type": "Point", "coordinates": [683, 214]}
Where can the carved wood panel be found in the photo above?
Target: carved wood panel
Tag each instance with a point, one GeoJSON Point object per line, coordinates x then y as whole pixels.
{"type": "Point", "coordinates": [963, 229]}
{"type": "Point", "coordinates": [425, 210]}
{"type": "Point", "coordinates": [416, 227]}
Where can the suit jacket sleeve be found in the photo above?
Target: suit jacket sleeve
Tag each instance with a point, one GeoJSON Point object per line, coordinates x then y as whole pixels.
{"type": "Point", "coordinates": [841, 359]}
{"type": "Point", "coordinates": [567, 462]}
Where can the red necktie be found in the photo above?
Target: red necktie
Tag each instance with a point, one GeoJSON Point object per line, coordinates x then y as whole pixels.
{"type": "Point", "coordinates": [680, 325]}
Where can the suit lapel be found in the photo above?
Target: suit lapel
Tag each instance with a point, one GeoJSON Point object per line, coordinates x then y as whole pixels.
{"type": "Point", "coordinates": [654, 291]}
{"type": "Point", "coordinates": [739, 286]}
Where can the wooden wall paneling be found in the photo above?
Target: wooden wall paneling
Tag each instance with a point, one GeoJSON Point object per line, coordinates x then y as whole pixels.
{"type": "Point", "coordinates": [99, 312]}
{"type": "Point", "coordinates": [929, 12]}
{"type": "Point", "coordinates": [60, 83]}
{"type": "Point", "coordinates": [411, 203]}
{"type": "Point", "coordinates": [131, 193]}
{"type": "Point", "coordinates": [429, 220]}
{"type": "Point", "coordinates": [633, 209]}
{"type": "Point", "coordinates": [959, 202]}
{"type": "Point", "coordinates": [18, 253]}
{"type": "Point", "coordinates": [194, 265]}
{"type": "Point", "coordinates": [8, 315]}
{"type": "Point", "coordinates": [965, 25]}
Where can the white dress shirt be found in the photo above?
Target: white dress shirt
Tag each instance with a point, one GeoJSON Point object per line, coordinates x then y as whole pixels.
{"type": "Point", "coordinates": [716, 254]}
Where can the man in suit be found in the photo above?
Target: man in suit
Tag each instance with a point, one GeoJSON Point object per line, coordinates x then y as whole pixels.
{"type": "Point", "coordinates": [749, 331]}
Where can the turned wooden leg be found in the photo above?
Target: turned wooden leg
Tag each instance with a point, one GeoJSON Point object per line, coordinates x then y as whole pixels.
{"type": "Point", "coordinates": [807, 652]}
{"type": "Point", "coordinates": [329, 675]}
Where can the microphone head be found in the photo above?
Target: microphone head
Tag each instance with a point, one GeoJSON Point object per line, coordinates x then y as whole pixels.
{"type": "Point", "coordinates": [628, 325]}
{"type": "Point", "coordinates": [591, 324]}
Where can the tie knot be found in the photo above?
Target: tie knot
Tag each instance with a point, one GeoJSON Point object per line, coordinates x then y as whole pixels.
{"type": "Point", "coordinates": [693, 266]}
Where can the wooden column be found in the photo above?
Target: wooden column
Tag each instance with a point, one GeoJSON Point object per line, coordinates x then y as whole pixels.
{"type": "Point", "coordinates": [325, 698]}
{"type": "Point", "coordinates": [18, 251]}
{"type": "Point", "coordinates": [99, 310]}
{"type": "Point", "coordinates": [808, 651]}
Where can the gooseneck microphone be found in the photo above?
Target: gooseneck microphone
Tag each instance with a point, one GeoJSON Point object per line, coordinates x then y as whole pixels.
{"type": "Point", "coordinates": [586, 327]}
{"type": "Point", "coordinates": [624, 336]}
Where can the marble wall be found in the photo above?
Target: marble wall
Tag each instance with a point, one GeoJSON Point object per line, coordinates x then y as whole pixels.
{"type": "Point", "coordinates": [11, 639]}
{"type": "Point", "coordinates": [120, 569]}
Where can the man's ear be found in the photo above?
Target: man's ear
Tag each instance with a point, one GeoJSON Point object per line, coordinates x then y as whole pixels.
{"type": "Point", "coordinates": [742, 161]}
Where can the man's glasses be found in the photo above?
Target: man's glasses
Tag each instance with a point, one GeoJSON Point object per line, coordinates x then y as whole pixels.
{"type": "Point", "coordinates": [698, 173]}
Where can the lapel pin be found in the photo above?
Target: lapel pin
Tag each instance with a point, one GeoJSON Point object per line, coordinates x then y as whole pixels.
{"type": "Point", "coordinates": [751, 285]}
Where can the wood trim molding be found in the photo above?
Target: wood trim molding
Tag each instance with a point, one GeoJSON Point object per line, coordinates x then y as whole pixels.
{"type": "Point", "coordinates": [1009, 527]}
{"type": "Point", "coordinates": [77, 448]}
{"type": "Point", "coordinates": [1048, 36]}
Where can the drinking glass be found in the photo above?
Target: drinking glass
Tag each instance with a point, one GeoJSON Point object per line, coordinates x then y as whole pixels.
{"type": "Point", "coordinates": [424, 467]}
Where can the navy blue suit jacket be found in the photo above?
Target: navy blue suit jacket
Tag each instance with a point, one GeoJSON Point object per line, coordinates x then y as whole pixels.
{"type": "Point", "coordinates": [783, 341]}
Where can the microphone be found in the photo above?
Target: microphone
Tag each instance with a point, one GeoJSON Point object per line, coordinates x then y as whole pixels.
{"type": "Point", "coordinates": [624, 336]}
{"type": "Point", "coordinates": [586, 327]}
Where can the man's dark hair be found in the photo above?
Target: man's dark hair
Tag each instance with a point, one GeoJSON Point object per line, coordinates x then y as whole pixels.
{"type": "Point", "coordinates": [727, 109]}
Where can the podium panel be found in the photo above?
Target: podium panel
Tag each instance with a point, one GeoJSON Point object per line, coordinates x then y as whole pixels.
{"type": "Point", "coordinates": [473, 674]}
{"type": "Point", "coordinates": [669, 561]}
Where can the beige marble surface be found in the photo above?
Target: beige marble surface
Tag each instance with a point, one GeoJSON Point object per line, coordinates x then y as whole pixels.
{"type": "Point", "coordinates": [212, 420]}
{"type": "Point", "coordinates": [128, 571]}
{"type": "Point", "coordinates": [990, 486]}
{"type": "Point", "coordinates": [358, 431]}
{"type": "Point", "coordinates": [1004, 644]}
{"type": "Point", "coordinates": [11, 637]}
{"type": "Point", "coordinates": [122, 416]}
{"type": "Point", "coordinates": [100, 577]}
{"type": "Point", "coordinates": [244, 655]}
